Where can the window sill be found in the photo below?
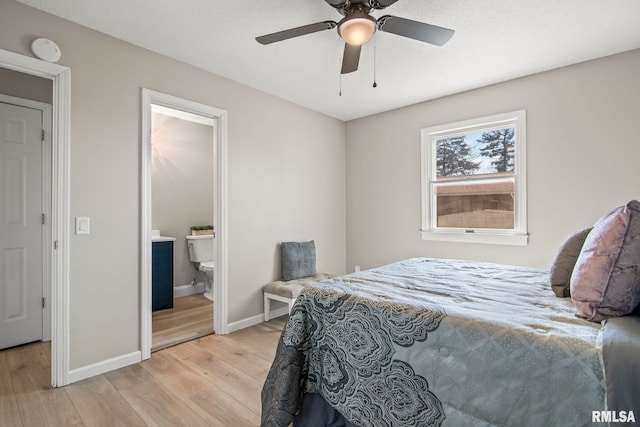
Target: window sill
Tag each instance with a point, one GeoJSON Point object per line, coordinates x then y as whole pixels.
{"type": "Point", "coordinates": [477, 237]}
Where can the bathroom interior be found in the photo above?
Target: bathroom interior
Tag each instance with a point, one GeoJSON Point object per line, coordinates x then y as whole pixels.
{"type": "Point", "coordinates": [182, 171]}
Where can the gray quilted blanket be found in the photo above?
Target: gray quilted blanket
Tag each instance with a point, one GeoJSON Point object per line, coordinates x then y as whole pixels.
{"type": "Point", "coordinates": [427, 342]}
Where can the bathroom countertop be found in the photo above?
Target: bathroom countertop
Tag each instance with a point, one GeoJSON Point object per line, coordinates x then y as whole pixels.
{"type": "Point", "coordinates": [162, 239]}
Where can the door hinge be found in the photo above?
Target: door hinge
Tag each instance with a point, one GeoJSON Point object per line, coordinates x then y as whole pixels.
{"type": "Point", "coordinates": [44, 302]}
{"type": "Point", "coordinates": [43, 134]}
{"type": "Point", "coordinates": [43, 219]}
{"type": "Point", "coordinates": [55, 244]}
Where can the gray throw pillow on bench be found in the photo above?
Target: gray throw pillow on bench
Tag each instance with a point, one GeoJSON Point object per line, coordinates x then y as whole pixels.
{"type": "Point", "coordinates": [298, 260]}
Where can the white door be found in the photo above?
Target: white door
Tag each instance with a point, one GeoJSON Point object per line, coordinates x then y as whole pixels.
{"type": "Point", "coordinates": [20, 225]}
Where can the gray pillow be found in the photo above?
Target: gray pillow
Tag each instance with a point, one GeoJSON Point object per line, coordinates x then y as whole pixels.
{"type": "Point", "coordinates": [562, 267]}
{"type": "Point", "coordinates": [606, 278]}
{"type": "Point", "coordinates": [298, 260]}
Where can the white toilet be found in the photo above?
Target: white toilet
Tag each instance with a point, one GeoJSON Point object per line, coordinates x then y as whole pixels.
{"type": "Point", "coordinates": [201, 254]}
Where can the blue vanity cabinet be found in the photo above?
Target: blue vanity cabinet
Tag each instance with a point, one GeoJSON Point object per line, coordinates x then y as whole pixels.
{"type": "Point", "coordinates": [162, 275]}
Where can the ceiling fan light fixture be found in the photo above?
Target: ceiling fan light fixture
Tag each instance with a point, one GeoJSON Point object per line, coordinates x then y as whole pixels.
{"type": "Point", "coordinates": [357, 29]}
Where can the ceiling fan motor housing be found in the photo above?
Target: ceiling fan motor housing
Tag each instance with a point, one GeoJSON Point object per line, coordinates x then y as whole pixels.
{"type": "Point", "coordinates": [347, 6]}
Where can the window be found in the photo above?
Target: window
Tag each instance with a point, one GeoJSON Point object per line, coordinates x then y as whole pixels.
{"type": "Point", "coordinates": [474, 180]}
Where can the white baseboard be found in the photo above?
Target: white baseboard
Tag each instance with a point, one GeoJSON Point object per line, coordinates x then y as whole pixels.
{"type": "Point", "coordinates": [184, 290]}
{"type": "Point", "coordinates": [99, 368]}
{"type": "Point", "coordinates": [118, 362]}
{"type": "Point", "coordinates": [254, 320]}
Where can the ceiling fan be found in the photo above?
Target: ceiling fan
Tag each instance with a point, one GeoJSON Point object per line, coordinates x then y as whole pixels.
{"type": "Point", "coordinates": [358, 26]}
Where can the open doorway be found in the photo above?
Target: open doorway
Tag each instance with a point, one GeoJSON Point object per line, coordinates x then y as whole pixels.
{"type": "Point", "coordinates": [55, 237]}
{"type": "Point", "coordinates": [164, 160]}
{"type": "Point", "coordinates": [182, 255]}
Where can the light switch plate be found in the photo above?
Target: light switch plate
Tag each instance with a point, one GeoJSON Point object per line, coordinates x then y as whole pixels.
{"type": "Point", "coordinates": [83, 224]}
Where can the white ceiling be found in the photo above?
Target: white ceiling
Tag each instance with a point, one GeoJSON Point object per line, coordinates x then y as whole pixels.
{"type": "Point", "coordinates": [495, 40]}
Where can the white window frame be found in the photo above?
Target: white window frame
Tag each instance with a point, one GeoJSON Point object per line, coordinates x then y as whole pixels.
{"type": "Point", "coordinates": [429, 136]}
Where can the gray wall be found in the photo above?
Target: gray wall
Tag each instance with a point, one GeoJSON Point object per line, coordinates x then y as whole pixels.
{"type": "Point", "coordinates": [25, 86]}
{"type": "Point", "coordinates": [182, 185]}
{"type": "Point", "coordinates": [286, 177]}
{"type": "Point", "coordinates": [583, 148]}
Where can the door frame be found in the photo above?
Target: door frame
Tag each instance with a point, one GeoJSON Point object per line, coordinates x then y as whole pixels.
{"type": "Point", "coordinates": [45, 109]}
{"type": "Point", "coordinates": [60, 219]}
{"type": "Point", "coordinates": [220, 304]}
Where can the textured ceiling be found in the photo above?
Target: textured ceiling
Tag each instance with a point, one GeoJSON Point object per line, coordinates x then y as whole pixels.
{"type": "Point", "coordinates": [495, 40]}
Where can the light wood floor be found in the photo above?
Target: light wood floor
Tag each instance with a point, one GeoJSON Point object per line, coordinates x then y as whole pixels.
{"type": "Point", "coordinates": [191, 317]}
{"type": "Point", "coordinates": [211, 381]}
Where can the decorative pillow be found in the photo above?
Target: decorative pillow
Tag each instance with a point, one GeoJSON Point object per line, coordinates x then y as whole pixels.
{"type": "Point", "coordinates": [562, 267]}
{"type": "Point", "coordinates": [298, 260]}
{"type": "Point", "coordinates": [606, 278]}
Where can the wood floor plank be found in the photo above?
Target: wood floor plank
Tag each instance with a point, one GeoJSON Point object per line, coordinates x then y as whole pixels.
{"type": "Point", "coordinates": [213, 405]}
{"type": "Point", "coordinates": [158, 406]}
{"type": "Point", "coordinates": [175, 375]}
{"type": "Point", "coordinates": [128, 377]}
{"type": "Point", "coordinates": [215, 381]}
{"type": "Point", "coordinates": [218, 408]}
{"type": "Point", "coordinates": [191, 317]}
{"type": "Point", "coordinates": [237, 384]}
{"type": "Point", "coordinates": [262, 337]}
{"type": "Point", "coordinates": [183, 306]}
{"type": "Point", "coordinates": [39, 403]}
{"type": "Point", "coordinates": [236, 353]}
{"type": "Point", "coordinates": [100, 405]}
{"type": "Point", "coordinates": [9, 410]}
{"type": "Point", "coordinates": [178, 337]}
{"type": "Point", "coordinates": [176, 316]}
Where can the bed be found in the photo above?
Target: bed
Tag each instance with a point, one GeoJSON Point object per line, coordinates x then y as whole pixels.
{"type": "Point", "coordinates": [430, 342]}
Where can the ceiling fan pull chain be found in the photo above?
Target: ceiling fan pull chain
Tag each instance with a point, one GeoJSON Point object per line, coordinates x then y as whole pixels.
{"type": "Point", "coordinates": [375, 44]}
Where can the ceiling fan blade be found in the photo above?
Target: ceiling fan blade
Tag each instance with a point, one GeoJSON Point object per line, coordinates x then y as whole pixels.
{"type": "Point", "coordinates": [296, 32]}
{"type": "Point", "coordinates": [381, 4]}
{"type": "Point", "coordinates": [336, 3]}
{"type": "Point", "coordinates": [415, 30]}
{"type": "Point", "coordinates": [351, 58]}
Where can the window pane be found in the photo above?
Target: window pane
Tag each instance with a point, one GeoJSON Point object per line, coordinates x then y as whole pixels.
{"type": "Point", "coordinates": [486, 205]}
{"type": "Point", "coordinates": [480, 153]}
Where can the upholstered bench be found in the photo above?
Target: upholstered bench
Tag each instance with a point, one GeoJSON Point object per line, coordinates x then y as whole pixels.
{"type": "Point", "coordinates": [288, 291]}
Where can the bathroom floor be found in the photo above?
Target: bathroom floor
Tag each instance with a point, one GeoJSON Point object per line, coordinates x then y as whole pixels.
{"type": "Point", "coordinates": [191, 317]}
